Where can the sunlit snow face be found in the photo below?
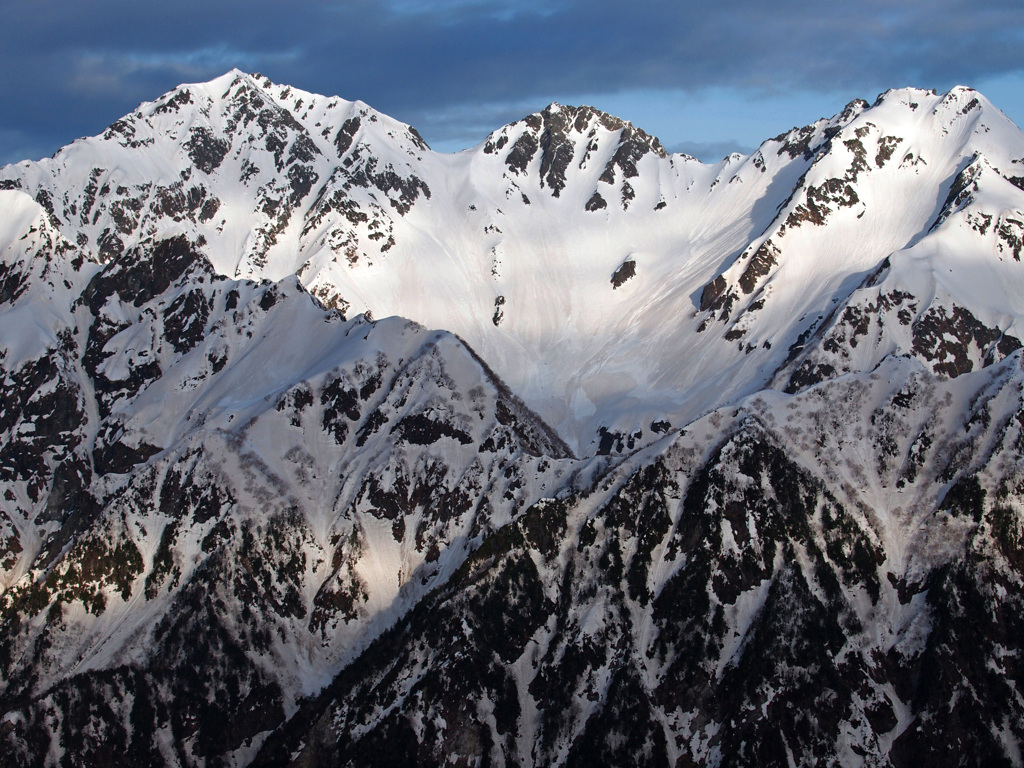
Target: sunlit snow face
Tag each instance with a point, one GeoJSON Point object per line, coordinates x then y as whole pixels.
{"type": "Point", "coordinates": [521, 244]}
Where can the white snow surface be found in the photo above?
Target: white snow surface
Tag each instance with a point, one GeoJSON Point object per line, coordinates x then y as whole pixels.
{"type": "Point", "coordinates": [581, 353]}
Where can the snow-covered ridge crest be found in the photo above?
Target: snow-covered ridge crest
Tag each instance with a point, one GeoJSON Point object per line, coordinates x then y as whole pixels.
{"type": "Point", "coordinates": [558, 246]}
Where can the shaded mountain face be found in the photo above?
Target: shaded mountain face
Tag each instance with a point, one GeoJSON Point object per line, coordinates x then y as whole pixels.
{"type": "Point", "coordinates": [750, 593]}
{"type": "Point", "coordinates": [703, 465]}
{"type": "Point", "coordinates": [217, 490]}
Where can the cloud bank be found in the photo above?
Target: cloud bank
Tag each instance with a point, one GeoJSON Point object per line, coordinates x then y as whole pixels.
{"type": "Point", "coordinates": [459, 68]}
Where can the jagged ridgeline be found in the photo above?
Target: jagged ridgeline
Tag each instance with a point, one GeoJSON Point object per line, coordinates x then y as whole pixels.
{"type": "Point", "coordinates": [320, 448]}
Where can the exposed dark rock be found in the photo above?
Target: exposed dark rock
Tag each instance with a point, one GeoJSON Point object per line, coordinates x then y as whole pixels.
{"type": "Point", "coordinates": [496, 145]}
{"type": "Point", "coordinates": [557, 150]}
{"type": "Point", "coordinates": [555, 133]}
{"type": "Point", "coordinates": [118, 458]}
{"type": "Point", "coordinates": [522, 153]}
{"type": "Point", "coordinates": [408, 188]}
{"type": "Point", "coordinates": [796, 143]}
{"type": "Point", "coordinates": [712, 292]}
{"type": "Point", "coordinates": [185, 320]}
{"type": "Point", "coordinates": [946, 340]}
{"type": "Point", "coordinates": [596, 202]}
{"type": "Point", "coordinates": [625, 271]}
{"type": "Point", "coordinates": [837, 336]}
{"type": "Point", "coordinates": [886, 147]}
{"type": "Point", "coordinates": [45, 200]}
{"type": "Point", "coordinates": [1011, 232]}
{"type": "Point", "coordinates": [175, 102]}
{"type": "Point", "coordinates": [421, 429]}
{"type": "Point", "coordinates": [143, 273]}
{"type": "Point", "coordinates": [628, 195]}
{"type": "Point", "coordinates": [962, 190]}
{"type": "Point", "coordinates": [613, 441]}
{"type": "Point", "coordinates": [12, 283]}
{"type": "Point", "coordinates": [205, 150]}
{"type": "Point", "coordinates": [346, 135]}
{"type": "Point", "coordinates": [633, 146]}
{"type": "Point", "coordinates": [760, 265]}
{"type": "Point", "coordinates": [820, 201]}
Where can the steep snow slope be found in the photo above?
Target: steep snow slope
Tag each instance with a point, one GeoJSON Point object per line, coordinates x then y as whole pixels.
{"type": "Point", "coordinates": [583, 262]}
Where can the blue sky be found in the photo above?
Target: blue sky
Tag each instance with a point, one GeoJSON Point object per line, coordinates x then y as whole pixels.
{"type": "Point", "coordinates": [707, 78]}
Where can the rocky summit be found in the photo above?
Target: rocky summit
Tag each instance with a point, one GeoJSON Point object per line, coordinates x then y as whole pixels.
{"type": "Point", "coordinates": [320, 448]}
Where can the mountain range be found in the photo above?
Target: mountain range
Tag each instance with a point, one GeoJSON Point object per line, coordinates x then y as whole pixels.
{"type": "Point", "coordinates": [318, 447]}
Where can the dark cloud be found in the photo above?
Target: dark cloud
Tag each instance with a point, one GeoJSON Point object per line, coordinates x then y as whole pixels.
{"type": "Point", "coordinates": [70, 68]}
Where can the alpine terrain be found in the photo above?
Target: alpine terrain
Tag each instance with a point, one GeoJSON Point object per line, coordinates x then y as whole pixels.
{"type": "Point", "coordinates": [320, 448]}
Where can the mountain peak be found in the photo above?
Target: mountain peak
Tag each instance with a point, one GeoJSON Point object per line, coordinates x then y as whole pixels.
{"type": "Point", "coordinates": [560, 136]}
{"type": "Point", "coordinates": [958, 101]}
{"type": "Point", "coordinates": [584, 119]}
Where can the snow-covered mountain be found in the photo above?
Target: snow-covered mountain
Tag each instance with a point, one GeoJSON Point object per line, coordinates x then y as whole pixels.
{"type": "Point", "coordinates": [318, 447]}
{"type": "Point", "coordinates": [610, 284]}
